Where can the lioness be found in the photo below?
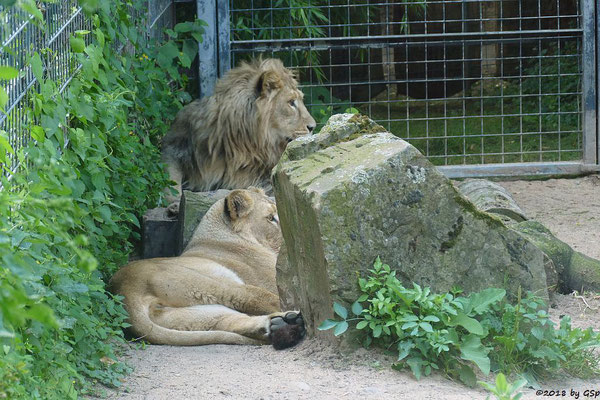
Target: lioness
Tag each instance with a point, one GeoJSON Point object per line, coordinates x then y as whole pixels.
{"type": "Point", "coordinates": [221, 289]}
{"type": "Point", "coordinates": [234, 138]}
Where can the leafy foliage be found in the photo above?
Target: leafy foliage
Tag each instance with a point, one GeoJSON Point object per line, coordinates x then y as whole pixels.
{"type": "Point", "coordinates": [503, 390]}
{"type": "Point", "coordinates": [456, 334]}
{"type": "Point", "coordinates": [90, 170]}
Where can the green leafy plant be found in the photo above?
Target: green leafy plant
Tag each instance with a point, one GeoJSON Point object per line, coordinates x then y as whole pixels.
{"type": "Point", "coordinates": [454, 334]}
{"type": "Point", "coordinates": [503, 390]}
{"type": "Point", "coordinates": [69, 214]}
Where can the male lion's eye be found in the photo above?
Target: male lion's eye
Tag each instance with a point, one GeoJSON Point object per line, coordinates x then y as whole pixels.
{"type": "Point", "coordinates": [293, 103]}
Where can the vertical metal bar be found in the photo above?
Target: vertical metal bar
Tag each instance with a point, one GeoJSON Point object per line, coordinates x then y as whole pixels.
{"type": "Point", "coordinates": [223, 36]}
{"type": "Point", "coordinates": [207, 50]}
{"type": "Point", "coordinates": [590, 82]}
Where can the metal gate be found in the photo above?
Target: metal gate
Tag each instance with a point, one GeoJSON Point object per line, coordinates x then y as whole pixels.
{"type": "Point", "coordinates": [481, 87]}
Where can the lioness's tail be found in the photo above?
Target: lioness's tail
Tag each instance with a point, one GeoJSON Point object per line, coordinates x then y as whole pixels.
{"type": "Point", "coordinates": [146, 329]}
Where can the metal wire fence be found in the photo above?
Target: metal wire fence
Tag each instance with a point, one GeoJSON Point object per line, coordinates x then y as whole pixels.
{"type": "Point", "coordinates": [21, 37]}
{"type": "Point", "coordinates": [467, 82]}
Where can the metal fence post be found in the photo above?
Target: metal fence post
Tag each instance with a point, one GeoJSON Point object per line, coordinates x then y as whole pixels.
{"type": "Point", "coordinates": [223, 38]}
{"type": "Point", "coordinates": [207, 50]}
{"type": "Point", "coordinates": [590, 82]}
{"type": "Point", "coordinates": [214, 51]}
{"type": "Point", "coordinates": [597, 73]}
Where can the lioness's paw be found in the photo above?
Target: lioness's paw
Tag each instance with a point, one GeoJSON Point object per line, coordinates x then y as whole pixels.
{"type": "Point", "coordinates": [287, 330]}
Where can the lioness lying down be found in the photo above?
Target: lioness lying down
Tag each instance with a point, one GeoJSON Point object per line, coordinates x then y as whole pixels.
{"type": "Point", "coordinates": [221, 289]}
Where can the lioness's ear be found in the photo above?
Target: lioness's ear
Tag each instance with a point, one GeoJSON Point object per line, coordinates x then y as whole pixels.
{"type": "Point", "coordinates": [268, 81]}
{"type": "Point", "coordinates": [256, 190]}
{"type": "Point", "coordinates": [238, 204]}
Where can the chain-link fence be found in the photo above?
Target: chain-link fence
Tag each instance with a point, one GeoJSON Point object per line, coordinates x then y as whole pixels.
{"type": "Point", "coordinates": [21, 37]}
{"type": "Point", "coordinates": [477, 83]}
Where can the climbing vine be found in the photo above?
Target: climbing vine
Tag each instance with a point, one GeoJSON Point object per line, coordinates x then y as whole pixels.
{"type": "Point", "coordinates": [91, 168]}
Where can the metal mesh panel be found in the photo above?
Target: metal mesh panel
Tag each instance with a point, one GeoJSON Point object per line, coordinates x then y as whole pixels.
{"type": "Point", "coordinates": [466, 82]}
{"type": "Point", "coordinates": [21, 38]}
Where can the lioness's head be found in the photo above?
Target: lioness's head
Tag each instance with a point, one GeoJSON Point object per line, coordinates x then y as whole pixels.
{"type": "Point", "coordinates": [280, 104]}
{"type": "Point", "coordinates": [253, 214]}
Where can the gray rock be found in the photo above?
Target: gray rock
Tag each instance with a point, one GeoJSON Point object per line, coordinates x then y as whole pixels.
{"type": "Point", "coordinates": [193, 207]}
{"type": "Point", "coordinates": [354, 192]}
{"type": "Point", "coordinates": [575, 270]}
{"type": "Point", "coordinates": [492, 198]}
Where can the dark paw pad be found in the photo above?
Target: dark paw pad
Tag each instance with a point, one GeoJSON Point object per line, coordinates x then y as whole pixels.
{"type": "Point", "coordinates": [287, 331]}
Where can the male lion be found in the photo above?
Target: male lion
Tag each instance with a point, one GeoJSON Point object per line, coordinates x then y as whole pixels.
{"type": "Point", "coordinates": [234, 138]}
{"type": "Point", "coordinates": [221, 289]}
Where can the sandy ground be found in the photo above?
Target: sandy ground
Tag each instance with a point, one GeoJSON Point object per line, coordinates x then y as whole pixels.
{"type": "Point", "coordinates": [570, 208]}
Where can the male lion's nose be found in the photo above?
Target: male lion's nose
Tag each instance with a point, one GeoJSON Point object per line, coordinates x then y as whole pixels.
{"type": "Point", "coordinates": [311, 127]}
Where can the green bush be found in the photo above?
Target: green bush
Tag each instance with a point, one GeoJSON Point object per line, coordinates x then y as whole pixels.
{"type": "Point", "coordinates": [67, 216]}
{"type": "Point", "coordinates": [453, 333]}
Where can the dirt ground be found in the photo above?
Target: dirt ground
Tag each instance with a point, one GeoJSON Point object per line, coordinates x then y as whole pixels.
{"type": "Point", "coordinates": [570, 208]}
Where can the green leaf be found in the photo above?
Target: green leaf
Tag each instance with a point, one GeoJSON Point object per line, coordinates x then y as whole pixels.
{"type": "Point", "coordinates": [38, 133]}
{"type": "Point", "coordinates": [357, 309]}
{"type": "Point", "coordinates": [8, 73]}
{"type": "Point", "coordinates": [404, 349]}
{"type": "Point", "coordinates": [327, 324]}
{"type": "Point", "coordinates": [471, 349]}
{"type": "Point", "coordinates": [341, 327]}
{"type": "Point", "coordinates": [501, 384]}
{"type": "Point", "coordinates": [479, 302]}
{"type": "Point", "coordinates": [467, 375]}
{"type": "Point", "coordinates": [426, 326]}
{"type": "Point", "coordinates": [43, 314]}
{"type": "Point", "coordinates": [89, 6]}
{"type": "Point", "coordinates": [36, 67]}
{"type": "Point", "coordinates": [77, 44]}
{"type": "Point", "coordinates": [190, 48]}
{"type": "Point", "coordinates": [5, 146]}
{"type": "Point", "coordinates": [408, 325]}
{"type": "Point", "coordinates": [415, 365]}
{"type": "Point", "coordinates": [470, 324]}
{"type": "Point", "coordinates": [362, 324]}
{"type": "Point", "coordinates": [547, 353]}
{"type": "Point", "coordinates": [340, 310]}
{"type": "Point", "coordinates": [3, 98]}
{"type": "Point", "coordinates": [377, 331]}
{"type": "Point", "coordinates": [31, 8]}
{"type": "Point", "coordinates": [166, 54]}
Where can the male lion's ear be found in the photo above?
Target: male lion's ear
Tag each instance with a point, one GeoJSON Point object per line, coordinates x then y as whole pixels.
{"type": "Point", "coordinates": [238, 204]}
{"type": "Point", "coordinates": [268, 81]}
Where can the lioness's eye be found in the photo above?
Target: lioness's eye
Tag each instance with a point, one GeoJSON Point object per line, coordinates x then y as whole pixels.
{"type": "Point", "coordinates": [272, 218]}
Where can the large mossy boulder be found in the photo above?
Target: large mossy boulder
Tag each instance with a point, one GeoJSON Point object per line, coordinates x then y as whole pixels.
{"type": "Point", "coordinates": [354, 192]}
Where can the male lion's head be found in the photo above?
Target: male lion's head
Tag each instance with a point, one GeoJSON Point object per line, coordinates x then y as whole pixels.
{"type": "Point", "coordinates": [280, 104]}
